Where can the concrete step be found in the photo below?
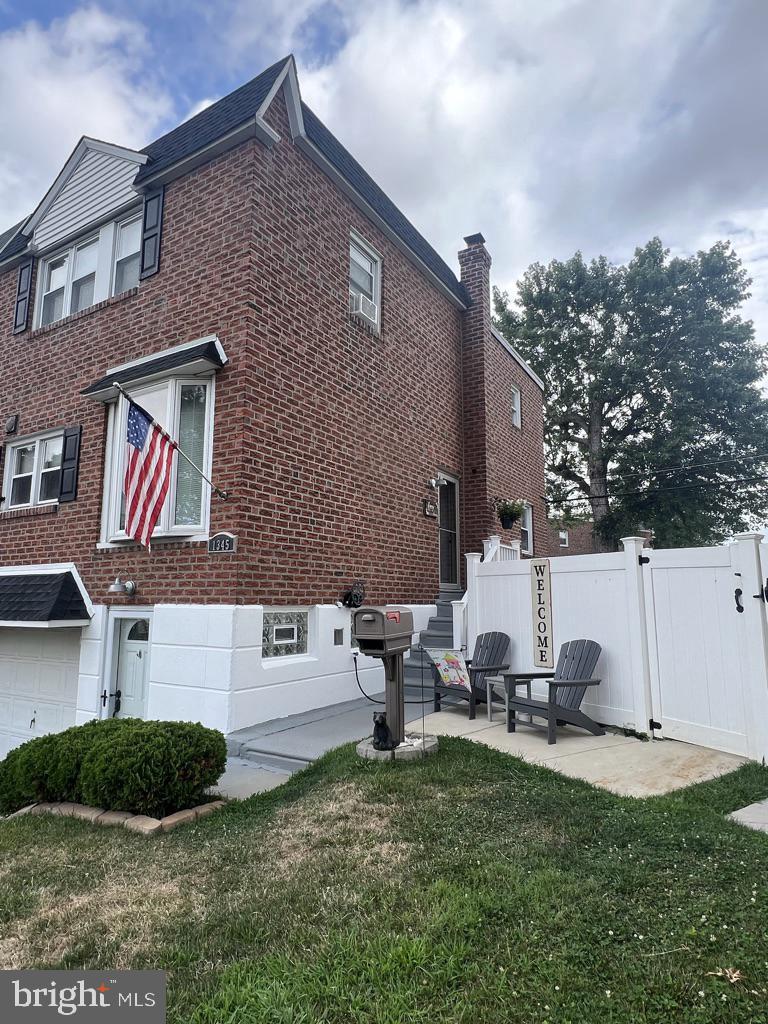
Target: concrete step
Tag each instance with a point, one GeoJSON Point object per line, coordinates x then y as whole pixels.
{"type": "Point", "coordinates": [441, 626]}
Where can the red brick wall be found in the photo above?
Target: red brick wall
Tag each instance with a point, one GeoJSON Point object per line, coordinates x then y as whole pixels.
{"type": "Point", "coordinates": [325, 434]}
{"type": "Point", "coordinates": [580, 539]}
{"type": "Point", "coordinates": [501, 460]}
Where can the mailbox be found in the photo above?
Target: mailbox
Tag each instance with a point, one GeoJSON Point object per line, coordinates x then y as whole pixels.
{"type": "Point", "coordinates": [381, 632]}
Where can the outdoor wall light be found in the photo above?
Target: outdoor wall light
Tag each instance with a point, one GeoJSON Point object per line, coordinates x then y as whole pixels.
{"type": "Point", "coordinates": [128, 588]}
{"type": "Point", "coordinates": [437, 481]}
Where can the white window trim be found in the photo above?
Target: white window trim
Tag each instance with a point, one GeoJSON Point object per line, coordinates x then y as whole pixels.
{"type": "Point", "coordinates": [103, 286]}
{"type": "Point", "coordinates": [563, 534]}
{"type": "Point", "coordinates": [111, 537]}
{"type": "Point", "coordinates": [8, 460]}
{"type": "Point", "coordinates": [526, 524]}
{"type": "Point", "coordinates": [517, 407]}
{"type": "Point", "coordinates": [118, 224]}
{"type": "Point", "coordinates": [377, 259]}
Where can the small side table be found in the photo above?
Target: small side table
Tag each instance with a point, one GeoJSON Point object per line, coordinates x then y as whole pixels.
{"type": "Point", "coordinates": [503, 685]}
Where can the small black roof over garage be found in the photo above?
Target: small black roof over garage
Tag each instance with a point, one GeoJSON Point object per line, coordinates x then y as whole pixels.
{"type": "Point", "coordinates": [42, 597]}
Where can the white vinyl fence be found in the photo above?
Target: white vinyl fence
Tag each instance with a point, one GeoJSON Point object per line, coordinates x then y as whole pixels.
{"type": "Point", "coordinates": [684, 634]}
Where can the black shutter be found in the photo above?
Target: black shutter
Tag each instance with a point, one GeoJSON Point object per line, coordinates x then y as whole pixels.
{"type": "Point", "coordinates": [70, 459]}
{"type": "Point", "coordinates": [151, 230]}
{"type": "Point", "coordinates": [23, 296]}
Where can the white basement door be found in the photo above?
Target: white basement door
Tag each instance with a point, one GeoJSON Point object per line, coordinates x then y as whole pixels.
{"type": "Point", "coordinates": [38, 683]}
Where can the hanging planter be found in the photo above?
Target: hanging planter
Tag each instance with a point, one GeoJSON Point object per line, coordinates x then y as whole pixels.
{"type": "Point", "coordinates": [509, 512]}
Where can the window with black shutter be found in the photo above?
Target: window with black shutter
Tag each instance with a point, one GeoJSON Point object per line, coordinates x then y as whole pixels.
{"type": "Point", "coordinates": [23, 296]}
{"type": "Point", "coordinates": [70, 460]}
{"type": "Point", "coordinates": [151, 231]}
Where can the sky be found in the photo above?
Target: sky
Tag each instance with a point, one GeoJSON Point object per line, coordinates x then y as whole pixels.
{"type": "Point", "coordinates": [548, 125]}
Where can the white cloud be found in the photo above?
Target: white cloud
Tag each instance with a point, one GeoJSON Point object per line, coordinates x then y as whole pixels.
{"type": "Point", "coordinates": [551, 126]}
{"type": "Point", "coordinates": [81, 75]}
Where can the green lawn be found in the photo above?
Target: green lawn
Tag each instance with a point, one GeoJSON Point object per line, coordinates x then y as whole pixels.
{"type": "Point", "coordinates": [471, 887]}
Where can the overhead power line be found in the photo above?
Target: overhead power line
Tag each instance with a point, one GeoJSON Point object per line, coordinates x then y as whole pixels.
{"type": "Point", "coordinates": [661, 490]}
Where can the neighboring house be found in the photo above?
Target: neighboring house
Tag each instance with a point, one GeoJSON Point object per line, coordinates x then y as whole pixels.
{"type": "Point", "coordinates": [254, 289]}
{"type": "Point", "coordinates": [571, 538]}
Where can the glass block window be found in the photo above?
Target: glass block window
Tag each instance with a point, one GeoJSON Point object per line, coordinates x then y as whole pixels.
{"type": "Point", "coordinates": [284, 633]}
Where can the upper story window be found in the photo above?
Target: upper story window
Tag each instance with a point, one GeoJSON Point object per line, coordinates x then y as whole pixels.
{"type": "Point", "coordinates": [517, 407]}
{"type": "Point", "coordinates": [106, 263]}
{"type": "Point", "coordinates": [526, 530]}
{"type": "Point", "coordinates": [563, 537]}
{"type": "Point", "coordinates": [364, 281]}
{"type": "Point", "coordinates": [33, 471]}
{"type": "Point", "coordinates": [184, 407]}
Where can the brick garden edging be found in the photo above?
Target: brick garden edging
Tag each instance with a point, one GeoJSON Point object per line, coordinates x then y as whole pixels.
{"type": "Point", "coordinates": [140, 823]}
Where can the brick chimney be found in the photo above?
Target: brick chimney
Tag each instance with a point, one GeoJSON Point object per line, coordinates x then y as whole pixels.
{"type": "Point", "coordinates": [475, 263]}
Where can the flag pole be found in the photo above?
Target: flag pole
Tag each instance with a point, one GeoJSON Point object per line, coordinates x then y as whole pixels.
{"type": "Point", "coordinates": [216, 490]}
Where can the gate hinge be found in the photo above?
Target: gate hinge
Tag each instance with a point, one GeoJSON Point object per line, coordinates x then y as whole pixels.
{"type": "Point", "coordinates": [653, 724]}
{"type": "Point", "coordinates": [643, 559]}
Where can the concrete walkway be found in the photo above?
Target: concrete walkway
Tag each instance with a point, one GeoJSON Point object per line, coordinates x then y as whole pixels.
{"type": "Point", "coordinates": [753, 816]}
{"type": "Point", "coordinates": [291, 743]}
{"type": "Point", "coordinates": [621, 764]}
{"type": "Point", "coordinates": [266, 754]}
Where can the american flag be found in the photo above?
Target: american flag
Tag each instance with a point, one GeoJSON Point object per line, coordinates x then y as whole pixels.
{"type": "Point", "coordinates": [149, 451]}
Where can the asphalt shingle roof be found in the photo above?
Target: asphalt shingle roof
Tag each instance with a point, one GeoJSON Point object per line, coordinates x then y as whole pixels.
{"type": "Point", "coordinates": [41, 597]}
{"type": "Point", "coordinates": [210, 124]}
{"type": "Point", "coordinates": [236, 109]}
{"type": "Point", "coordinates": [364, 184]}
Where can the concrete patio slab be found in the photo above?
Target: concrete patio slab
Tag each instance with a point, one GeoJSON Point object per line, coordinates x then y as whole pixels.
{"type": "Point", "coordinates": [268, 753]}
{"type": "Point", "coordinates": [753, 816]}
{"type": "Point", "coordinates": [622, 764]}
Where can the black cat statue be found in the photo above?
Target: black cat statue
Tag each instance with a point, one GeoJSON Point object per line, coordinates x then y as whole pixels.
{"type": "Point", "coordinates": [382, 735]}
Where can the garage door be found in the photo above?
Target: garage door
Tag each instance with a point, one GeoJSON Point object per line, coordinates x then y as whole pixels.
{"type": "Point", "coordinates": [38, 683]}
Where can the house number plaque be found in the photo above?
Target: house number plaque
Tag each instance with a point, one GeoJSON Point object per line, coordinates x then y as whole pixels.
{"type": "Point", "coordinates": [222, 544]}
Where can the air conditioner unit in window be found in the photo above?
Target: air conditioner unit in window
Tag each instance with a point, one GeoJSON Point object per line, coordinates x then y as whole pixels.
{"type": "Point", "coordinates": [362, 306]}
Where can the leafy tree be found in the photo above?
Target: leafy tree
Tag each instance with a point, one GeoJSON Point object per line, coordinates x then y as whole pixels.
{"type": "Point", "coordinates": [649, 368]}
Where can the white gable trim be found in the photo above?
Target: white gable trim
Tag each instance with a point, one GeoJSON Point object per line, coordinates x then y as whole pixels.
{"type": "Point", "coordinates": [85, 144]}
{"type": "Point", "coordinates": [518, 358]}
{"type": "Point", "coordinates": [47, 570]}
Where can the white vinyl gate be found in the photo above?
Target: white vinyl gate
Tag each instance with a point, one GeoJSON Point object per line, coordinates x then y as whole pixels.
{"type": "Point", "coordinates": [696, 670]}
{"type": "Point", "coordinates": [684, 634]}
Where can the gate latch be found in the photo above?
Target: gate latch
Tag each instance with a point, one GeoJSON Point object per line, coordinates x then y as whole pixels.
{"type": "Point", "coordinates": [117, 695]}
{"type": "Point", "coordinates": [763, 595]}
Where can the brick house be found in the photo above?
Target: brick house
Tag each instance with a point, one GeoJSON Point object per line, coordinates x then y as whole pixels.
{"type": "Point", "coordinates": [247, 282]}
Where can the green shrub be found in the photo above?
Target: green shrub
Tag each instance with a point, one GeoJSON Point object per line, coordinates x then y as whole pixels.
{"type": "Point", "coordinates": [119, 763]}
{"type": "Point", "coordinates": [155, 769]}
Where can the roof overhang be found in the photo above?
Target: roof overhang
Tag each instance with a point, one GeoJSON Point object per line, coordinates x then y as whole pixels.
{"type": "Point", "coordinates": [518, 358]}
{"type": "Point", "coordinates": [193, 357]}
{"type": "Point", "coordinates": [43, 597]}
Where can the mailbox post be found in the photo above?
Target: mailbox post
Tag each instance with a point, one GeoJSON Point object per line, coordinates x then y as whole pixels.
{"type": "Point", "coordinates": [386, 633]}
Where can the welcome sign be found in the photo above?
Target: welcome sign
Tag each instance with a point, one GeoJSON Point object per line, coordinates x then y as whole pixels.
{"type": "Point", "coordinates": [541, 603]}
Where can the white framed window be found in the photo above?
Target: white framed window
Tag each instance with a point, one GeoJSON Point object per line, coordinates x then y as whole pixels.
{"type": "Point", "coordinates": [127, 255]}
{"type": "Point", "coordinates": [33, 471]}
{"type": "Point", "coordinates": [563, 538]}
{"type": "Point", "coordinates": [184, 407]}
{"type": "Point", "coordinates": [364, 280]}
{"type": "Point", "coordinates": [526, 530]}
{"type": "Point", "coordinates": [516, 406]}
{"type": "Point", "coordinates": [90, 270]}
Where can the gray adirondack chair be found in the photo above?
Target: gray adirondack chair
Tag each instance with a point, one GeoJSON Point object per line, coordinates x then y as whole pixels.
{"type": "Point", "coordinates": [490, 657]}
{"type": "Point", "coordinates": [568, 684]}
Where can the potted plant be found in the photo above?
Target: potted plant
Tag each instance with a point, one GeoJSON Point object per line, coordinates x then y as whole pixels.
{"type": "Point", "coordinates": [509, 512]}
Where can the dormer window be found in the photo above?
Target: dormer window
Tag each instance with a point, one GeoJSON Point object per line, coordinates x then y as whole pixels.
{"type": "Point", "coordinates": [106, 263]}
